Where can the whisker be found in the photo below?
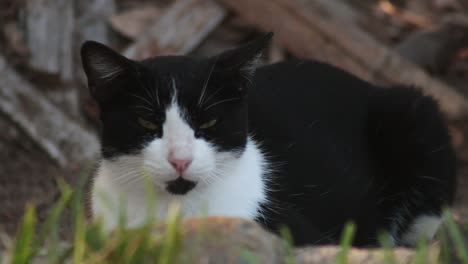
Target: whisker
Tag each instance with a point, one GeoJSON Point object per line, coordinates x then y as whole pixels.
{"type": "Point", "coordinates": [156, 91]}
{"type": "Point", "coordinates": [430, 178]}
{"type": "Point", "coordinates": [220, 102]}
{"type": "Point", "coordinates": [129, 178]}
{"type": "Point", "coordinates": [141, 98]}
{"type": "Point", "coordinates": [213, 94]}
{"type": "Point", "coordinates": [174, 86]}
{"type": "Point", "coordinates": [142, 86]}
{"type": "Point", "coordinates": [153, 92]}
{"type": "Point", "coordinates": [127, 172]}
{"type": "Point", "coordinates": [147, 90]}
{"type": "Point", "coordinates": [205, 85]}
{"type": "Point", "coordinates": [144, 107]}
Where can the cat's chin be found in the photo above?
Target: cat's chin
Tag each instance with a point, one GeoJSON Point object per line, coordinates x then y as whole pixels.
{"type": "Point", "coordinates": [180, 186]}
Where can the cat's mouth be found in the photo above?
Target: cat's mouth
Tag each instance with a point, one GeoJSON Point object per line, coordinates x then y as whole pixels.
{"type": "Point", "coordinates": [180, 186]}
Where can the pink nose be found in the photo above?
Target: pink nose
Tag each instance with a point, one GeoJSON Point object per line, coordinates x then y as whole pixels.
{"type": "Point", "coordinates": [180, 165]}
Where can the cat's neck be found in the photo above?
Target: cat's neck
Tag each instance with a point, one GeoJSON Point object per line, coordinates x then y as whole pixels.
{"type": "Point", "coordinates": [238, 194]}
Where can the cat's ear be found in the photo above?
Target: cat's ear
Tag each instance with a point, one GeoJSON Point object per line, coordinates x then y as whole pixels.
{"type": "Point", "coordinates": [243, 60]}
{"type": "Point", "coordinates": [106, 70]}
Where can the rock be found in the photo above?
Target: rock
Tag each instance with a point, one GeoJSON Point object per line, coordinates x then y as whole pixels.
{"type": "Point", "coordinates": [229, 240]}
{"type": "Point", "coordinates": [328, 254]}
{"type": "Point", "coordinates": [234, 240]}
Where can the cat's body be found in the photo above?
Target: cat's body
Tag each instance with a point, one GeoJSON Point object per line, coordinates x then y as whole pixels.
{"type": "Point", "coordinates": [380, 156]}
{"type": "Point", "coordinates": [298, 143]}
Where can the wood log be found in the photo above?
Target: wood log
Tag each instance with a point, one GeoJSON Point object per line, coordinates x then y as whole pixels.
{"type": "Point", "coordinates": [49, 33]}
{"type": "Point", "coordinates": [92, 16]}
{"type": "Point", "coordinates": [92, 24]}
{"type": "Point", "coordinates": [134, 22]}
{"type": "Point", "coordinates": [294, 34]}
{"type": "Point", "coordinates": [179, 30]}
{"type": "Point", "coordinates": [63, 139]}
{"type": "Point", "coordinates": [307, 28]}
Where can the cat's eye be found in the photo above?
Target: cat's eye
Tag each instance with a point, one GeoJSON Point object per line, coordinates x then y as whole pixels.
{"type": "Point", "coordinates": [147, 124]}
{"type": "Point", "coordinates": [208, 124]}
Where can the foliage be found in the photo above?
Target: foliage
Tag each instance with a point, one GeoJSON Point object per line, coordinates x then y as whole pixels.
{"type": "Point", "coordinates": [91, 244]}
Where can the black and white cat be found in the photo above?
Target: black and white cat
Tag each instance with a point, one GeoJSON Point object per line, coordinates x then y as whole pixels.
{"type": "Point", "coordinates": [298, 143]}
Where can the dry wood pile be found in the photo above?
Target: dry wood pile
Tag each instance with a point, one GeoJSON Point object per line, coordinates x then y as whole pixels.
{"type": "Point", "coordinates": [49, 122]}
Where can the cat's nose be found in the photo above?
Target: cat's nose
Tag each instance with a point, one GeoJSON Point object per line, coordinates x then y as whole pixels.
{"type": "Point", "coordinates": [180, 165]}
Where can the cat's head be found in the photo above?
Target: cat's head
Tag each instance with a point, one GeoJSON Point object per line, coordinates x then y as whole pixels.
{"type": "Point", "coordinates": [182, 121]}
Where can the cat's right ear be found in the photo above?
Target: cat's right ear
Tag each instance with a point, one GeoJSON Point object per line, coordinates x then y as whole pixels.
{"type": "Point", "coordinates": [106, 70]}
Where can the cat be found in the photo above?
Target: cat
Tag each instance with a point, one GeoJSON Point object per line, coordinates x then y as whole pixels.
{"type": "Point", "coordinates": [299, 143]}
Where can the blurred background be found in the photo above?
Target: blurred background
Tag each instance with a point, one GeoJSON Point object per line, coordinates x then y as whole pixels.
{"type": "Point", "coordinates": [49, 125]}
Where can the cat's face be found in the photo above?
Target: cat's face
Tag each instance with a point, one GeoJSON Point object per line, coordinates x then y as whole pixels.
{"type": "Point", "coordinates": [179, 120]}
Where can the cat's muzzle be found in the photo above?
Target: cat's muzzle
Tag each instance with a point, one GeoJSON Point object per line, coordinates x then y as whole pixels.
{"type": "Point", "coordinates": [180, 186]}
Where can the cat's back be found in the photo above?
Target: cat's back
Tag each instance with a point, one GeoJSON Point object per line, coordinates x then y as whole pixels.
{"type": "Point", "coordinates": [307, 103]}
{"type": "Point", "coordinates": [304, 89]}
{"type": "Point", "coordinates": [310, 120]}
{"type": "Point", "coordinates": [339, 146]}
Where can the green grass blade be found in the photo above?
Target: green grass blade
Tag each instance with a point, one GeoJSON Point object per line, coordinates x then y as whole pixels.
{"type": "Point", "coordinates": [79, 240]}
{"type": "Point", "coordinates": [49, 230]}
{"type": "Point", "coordinates": [387, 247]}
{"type": "Point", "coordinates": [171, 240]}
{"type": "Point", "coordinates": [457, 237]}
{"type": "Point", "coordinates": [24, 244]}
{"type": "Point", "coordinates": [421, 256]}
{"type": "Point", "coordinates": [122, 223]}
{"type": "Point", "coordinates": [346, 242]}
{"type": "Point", "coordinates": [445, 254]}
{"type": "Point", "coordinates": [285, 233]}
{"type": "Point", "coordinates": [94, 237]}
{"type": "Point", "coordinates": [50, 227]}
{"type": "Point", "coordinates": [150, 199]}
{"type": "Point", "coordinates": [248, 256]}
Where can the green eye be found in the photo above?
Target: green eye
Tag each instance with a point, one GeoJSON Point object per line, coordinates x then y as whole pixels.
{"type": "Point", "coordinates": [208, 124]}
{"type": "Point", "coordinates": [147, 124]}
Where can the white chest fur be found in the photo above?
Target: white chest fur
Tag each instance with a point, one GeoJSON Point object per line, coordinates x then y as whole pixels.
{"type": "Point", "coordinates": [238, 192]}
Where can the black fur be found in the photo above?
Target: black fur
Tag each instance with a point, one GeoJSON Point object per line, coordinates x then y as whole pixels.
{"type": "Point", "coordinates": [225, 77]}
{"type": "Point", "coordinates": [341, 148]}
{"type": "Point", "coordinates": [348, 150]}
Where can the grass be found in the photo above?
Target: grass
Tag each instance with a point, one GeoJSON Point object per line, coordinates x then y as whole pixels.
{"type": "Point", "coordinates": [346, 242]}
{"type": "Point", "coordinates": [90, 244]}
{"type": "Point", "coordinates": [23, 249]}
{"type": "Point", "coordinates": [288, 244]}
{"type": "Point", "coordinates": [388, 254]}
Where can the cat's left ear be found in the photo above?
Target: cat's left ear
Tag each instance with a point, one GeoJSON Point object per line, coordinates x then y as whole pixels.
{"type": "Point", "coordinates": [243, 61]}
{"type": "Point", "coordinates": [108, 72]}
